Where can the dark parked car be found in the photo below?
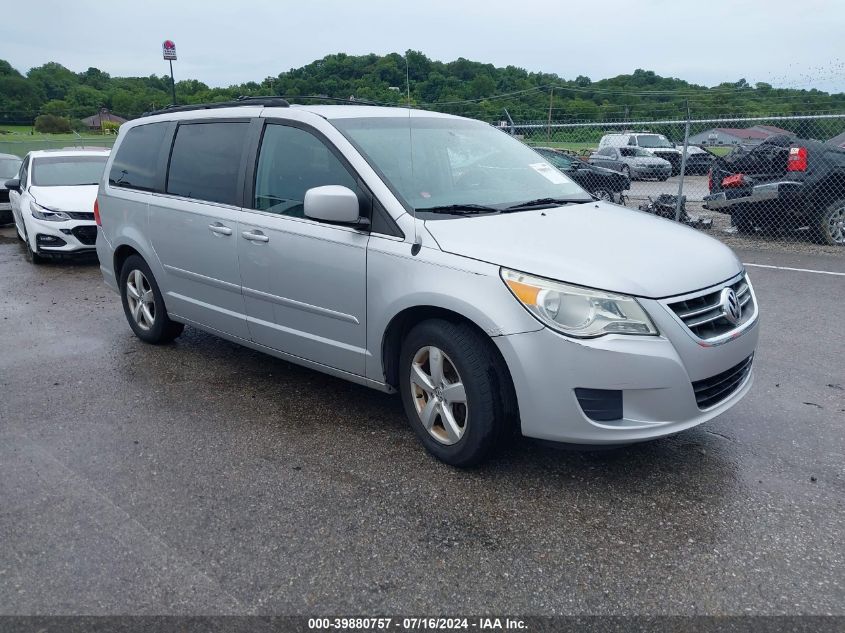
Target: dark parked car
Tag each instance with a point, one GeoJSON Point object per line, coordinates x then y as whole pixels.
{"type": "Point", "coordinates": [604, 184]}
{"type": "Point", "coordinates": [699, 160]}
{"type": "Point", "coordinates": [9, 166]}
{"type": "Point", "coordinates": [783, 183]}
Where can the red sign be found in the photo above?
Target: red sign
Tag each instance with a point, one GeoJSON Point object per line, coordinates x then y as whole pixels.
{"type": "Point", "coordinates": [168, 49]}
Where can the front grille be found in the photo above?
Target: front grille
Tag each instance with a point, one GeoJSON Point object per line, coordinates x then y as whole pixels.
{"type": "Point", "coordinates": [711, 391]}
{"type": "Point", "coordinates": [704, 315]}
{"type": "Point", "coordinates": [81, 215]}
{"type": "Point", "coordinates": [85, 234]}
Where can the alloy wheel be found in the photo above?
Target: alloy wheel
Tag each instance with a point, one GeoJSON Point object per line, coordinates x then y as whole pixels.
{"type": "Point", "coordinates": [139, 296]}
{"type": "Point", "coordinates": [439, 396]}
{"type": "Point", "coordinates": [836, 225]}
{"type": "Point", "coordinates": [603, 194]}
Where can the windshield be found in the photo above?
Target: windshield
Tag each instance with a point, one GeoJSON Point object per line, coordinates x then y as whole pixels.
{"type": "Point", "coordinates": [558, 160]}
{"type": "Point", "coordinates": [635, 151]}
{"type": "Point", "coordinates": [64, 171]}
{"type": "Point", "coordinates": [455, 162]}
{"type": "Point", "coordinates": [9, 167]}
{"type": "Point", "coordinates": [652, 140]}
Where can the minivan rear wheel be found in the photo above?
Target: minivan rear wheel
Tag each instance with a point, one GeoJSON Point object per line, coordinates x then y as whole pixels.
{"type": "Point", "coordinates": [143, 304]}
{"type": "Point", "coordinates": [455, 391]}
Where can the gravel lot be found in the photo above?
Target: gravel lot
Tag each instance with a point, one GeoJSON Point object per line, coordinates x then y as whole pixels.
{"type": "Point", "coordinates": [204, 478]}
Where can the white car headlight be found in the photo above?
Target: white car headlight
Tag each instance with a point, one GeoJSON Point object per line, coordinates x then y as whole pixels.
{"type": "Point", "coordinates": [42, 213]}
{"type": "Point", "coordinates": [577, 311]}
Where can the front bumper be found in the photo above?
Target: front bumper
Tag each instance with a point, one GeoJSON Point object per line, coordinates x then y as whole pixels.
{"type": "Point", "coordinates": [651, 172]}
{"type": "Point", "coordinates": [655, 375]}
{"type": "Point", "coordinates": [76, 236]}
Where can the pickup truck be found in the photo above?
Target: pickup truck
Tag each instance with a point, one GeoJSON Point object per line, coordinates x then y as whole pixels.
{"type": "Point", "coordinates": [784, 182]}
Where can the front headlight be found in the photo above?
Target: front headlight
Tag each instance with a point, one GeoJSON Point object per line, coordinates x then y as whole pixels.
{"type": "Point", "coordinates": [577, 311]}
{"type": "Point", "coordinates": [42, 213]}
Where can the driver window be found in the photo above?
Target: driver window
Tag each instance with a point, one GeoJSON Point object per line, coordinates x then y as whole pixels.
{"type": "Point", "coordinates": [291, 162]}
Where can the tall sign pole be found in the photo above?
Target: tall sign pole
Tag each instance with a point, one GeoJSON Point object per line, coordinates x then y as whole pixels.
{"type": "Point", "coordinates": [168, 51]}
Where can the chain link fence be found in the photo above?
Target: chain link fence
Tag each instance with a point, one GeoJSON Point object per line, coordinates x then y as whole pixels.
{"type": "Point", "coordinates": [21, 144]}
{"type": "Point", "coordinates": [776, 180]}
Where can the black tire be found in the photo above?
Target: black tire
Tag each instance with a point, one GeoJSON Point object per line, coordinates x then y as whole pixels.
{"type": "Point", "coordinates": [162, 330]}
{"type": "Point", "coordinates": [830, 229]}
{"type": "Point", "coordinates": [490, 409]}
{"type": "Point", "coordinates": [31, 256]}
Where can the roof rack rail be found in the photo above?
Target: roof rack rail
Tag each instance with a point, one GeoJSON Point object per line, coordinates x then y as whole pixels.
{"type": "Point", "coordinates": [268, 102]}
{"type": "Point", "coordinates": [350, 100]}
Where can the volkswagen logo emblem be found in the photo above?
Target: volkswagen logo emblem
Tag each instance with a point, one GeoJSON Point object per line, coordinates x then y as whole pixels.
{"type": "Point", "coordinates": [731, 309]}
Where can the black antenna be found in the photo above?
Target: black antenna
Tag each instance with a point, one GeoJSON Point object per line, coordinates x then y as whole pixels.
{"type": "Point", "coordinates": [417, 245]}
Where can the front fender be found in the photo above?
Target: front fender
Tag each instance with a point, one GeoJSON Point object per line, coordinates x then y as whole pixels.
{"type": "Point", "coordinates": [398, 281]}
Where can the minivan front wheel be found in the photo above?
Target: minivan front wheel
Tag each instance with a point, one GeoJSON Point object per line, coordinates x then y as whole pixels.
{"type": "Point", "coordinates": [143, 304]}
{"type": "Point", "coordinates": [455, 391]}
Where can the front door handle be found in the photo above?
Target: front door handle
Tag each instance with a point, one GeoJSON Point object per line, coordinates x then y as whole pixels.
{"type": "Point", "coordinates": [219, 229]}
{"type": "Point", "coordinates": [255, 236]}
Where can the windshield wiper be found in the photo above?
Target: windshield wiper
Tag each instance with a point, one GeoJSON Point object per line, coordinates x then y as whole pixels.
{"type": "Point", "coordinates": [460, 209]}
{"type": "Point", "coordinates": [541, 202]}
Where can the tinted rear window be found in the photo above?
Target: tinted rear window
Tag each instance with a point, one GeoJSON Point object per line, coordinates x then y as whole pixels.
{"type": "Point", "coordinates": [136, 162]}
{"type": "Point", "coordinates": [205, 161]}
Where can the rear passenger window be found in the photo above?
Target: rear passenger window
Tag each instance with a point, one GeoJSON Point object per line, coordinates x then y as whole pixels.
{"type": "Point", "coordinates": [291, 162]}
{"type": "Point", "coordinates": [136, 163]}
{"type": "Point", "coordinates": [205, 161]}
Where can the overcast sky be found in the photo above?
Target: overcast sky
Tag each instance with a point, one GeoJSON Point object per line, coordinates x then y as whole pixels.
{"type": "Point", "coordinates": [794, 43]}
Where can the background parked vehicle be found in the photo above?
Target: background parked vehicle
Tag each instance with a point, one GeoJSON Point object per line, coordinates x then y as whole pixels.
{"type": "Point", "coordinates": [52, 201]}
{"type": "Point", "coordinates": [633, 162]}
{"type": "Point", "coordinates": [655, 144]}
{"type": "Point", "coordinates": [9, 166]}
{"type": "Point", "coordinates": [604, 184]}
{"type": "Point", "coordinates": [699, 160]}
{"type": "Point", "coordinates": [783, 182]}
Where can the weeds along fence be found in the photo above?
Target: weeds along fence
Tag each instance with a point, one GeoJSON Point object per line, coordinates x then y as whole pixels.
{"type": "Point", "coordinates": [746, 179]}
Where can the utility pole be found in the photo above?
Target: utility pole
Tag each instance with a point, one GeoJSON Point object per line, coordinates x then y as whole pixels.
{"type": "Point", "coordinates": [683, 165]}
{"type": "Point", "coordinates": [549, 131]}
{"type": "Point", "coordinates": [172, 82]}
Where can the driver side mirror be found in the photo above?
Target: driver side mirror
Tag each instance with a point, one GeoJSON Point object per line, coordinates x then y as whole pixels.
{"type": "Point", "coordinates": [14, 184]}
{"type": "Point", "coordinates": [333, 203]}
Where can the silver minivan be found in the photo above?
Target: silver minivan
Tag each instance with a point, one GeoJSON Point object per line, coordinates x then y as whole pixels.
{"type": "Point", "coordinates": [429, 255]}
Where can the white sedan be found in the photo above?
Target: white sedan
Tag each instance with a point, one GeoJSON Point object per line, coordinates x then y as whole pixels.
{"type": "Point", "coordinates": [53, 201]}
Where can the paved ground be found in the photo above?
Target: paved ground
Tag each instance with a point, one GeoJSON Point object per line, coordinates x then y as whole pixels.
{"type": "Point", "coordinates": [695, 188]}
{"type": "Point", "coordinates": [206, 478]}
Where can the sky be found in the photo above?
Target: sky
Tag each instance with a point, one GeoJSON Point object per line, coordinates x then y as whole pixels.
{"type": "Point", "coordinates": [796, 44]}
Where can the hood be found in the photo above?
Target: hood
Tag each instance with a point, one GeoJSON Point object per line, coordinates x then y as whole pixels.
{"type": "Point", "coordinates": [597, 244]}
{"type": "Point", "coordinates": [648, 160]}
{"type": "Point", "coordinates": [78, 198]}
